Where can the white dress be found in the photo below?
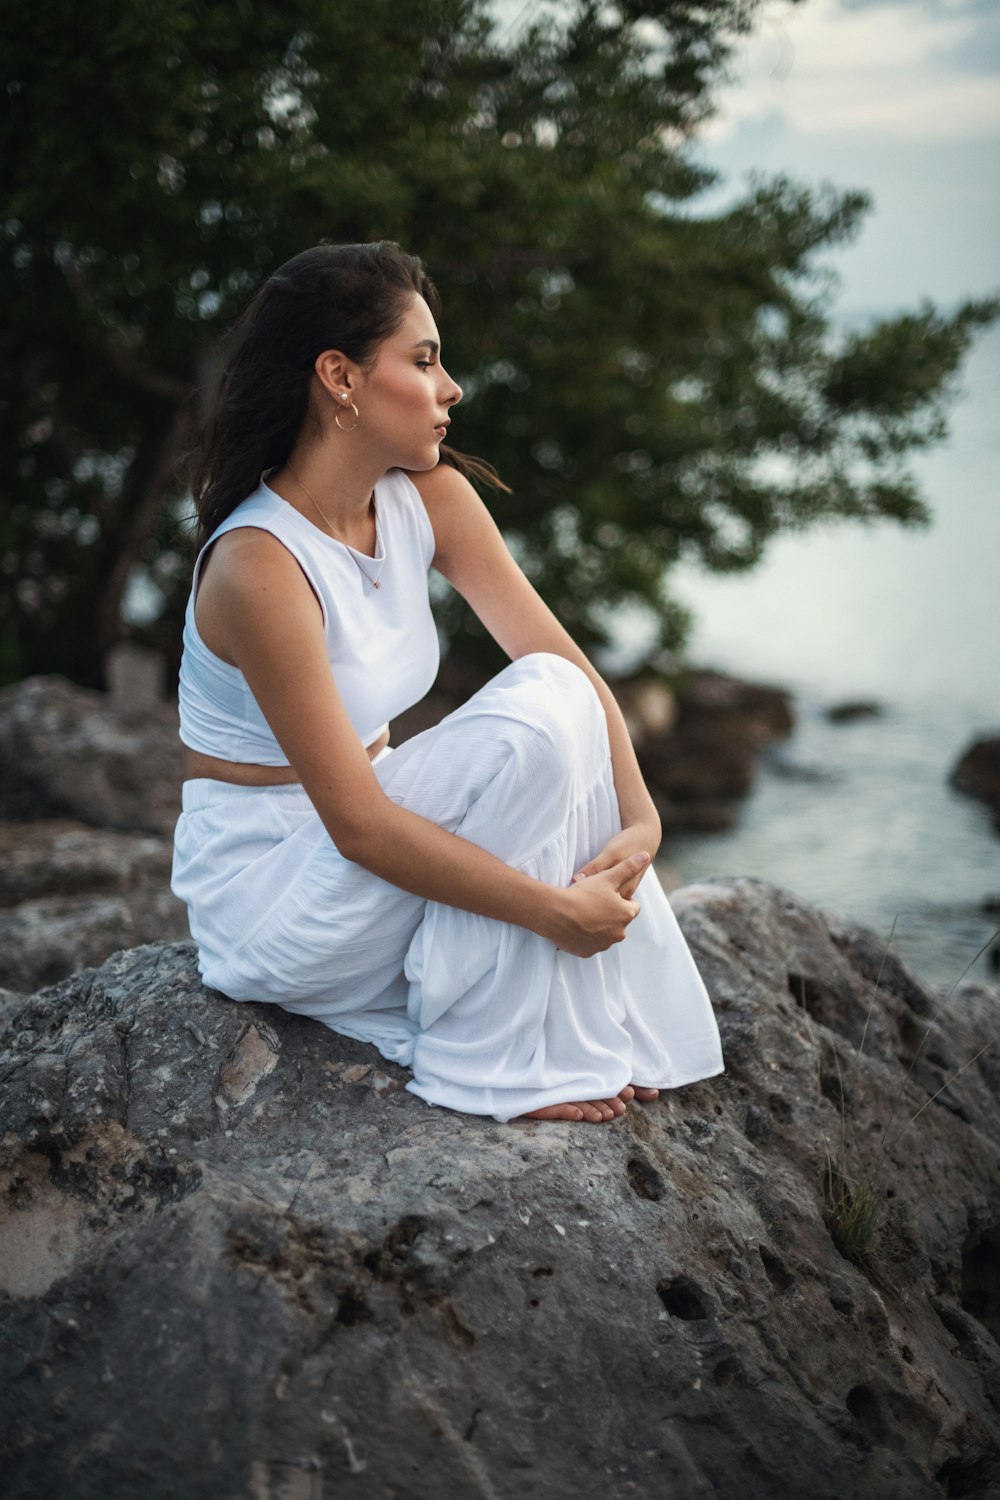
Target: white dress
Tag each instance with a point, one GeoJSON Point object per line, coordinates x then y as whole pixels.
{"type": "Point", "coordinates": [491, 1018]}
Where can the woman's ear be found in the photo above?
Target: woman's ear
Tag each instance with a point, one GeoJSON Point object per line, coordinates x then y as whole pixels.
{"type": "Point", "coordinates": [336, 373]}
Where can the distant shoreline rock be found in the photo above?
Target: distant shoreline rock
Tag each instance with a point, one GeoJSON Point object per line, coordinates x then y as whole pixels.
{"type": "Point", "coordinates": [977, 773]}
{"type": "Point", "coordinates": [852, 709]}
{"type": "Point", "coordinates": [701, 769]}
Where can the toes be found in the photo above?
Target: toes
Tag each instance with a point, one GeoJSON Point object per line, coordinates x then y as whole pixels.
{"type": "Point", "coordinates": [627, 1093]}
{"type": "Point", "coordinates": [600, 1111]}
{"type": "Point", "coordinates": [554, 1112]}
{"type": "Point", "coordinates": [645, 1095]}
{"type": "Point", "coordinates": [595, 1111]}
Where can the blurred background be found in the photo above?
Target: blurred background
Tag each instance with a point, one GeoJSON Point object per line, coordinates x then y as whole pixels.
{"type": "Point", "coordinates": [721, 287]}
{"type": "Point", "coordinates": [902, 99]}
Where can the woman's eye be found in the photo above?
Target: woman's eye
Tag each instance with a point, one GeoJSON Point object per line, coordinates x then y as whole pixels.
{"type": "Point", "coordinates": [425, 364]}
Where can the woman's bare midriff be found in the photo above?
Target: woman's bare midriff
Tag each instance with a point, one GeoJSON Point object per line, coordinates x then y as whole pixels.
{"type": "Point", "coordinates": [196, 765]}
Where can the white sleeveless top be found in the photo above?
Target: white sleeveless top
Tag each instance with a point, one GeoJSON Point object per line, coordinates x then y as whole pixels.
{"type": "Point", "coordinates": [381, 641]}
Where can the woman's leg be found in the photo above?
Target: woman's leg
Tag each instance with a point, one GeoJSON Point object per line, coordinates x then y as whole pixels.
{"type": "Point", "coordinates": [509, 1024]}
{"type": "Point", "coordinates": [492, 1018]}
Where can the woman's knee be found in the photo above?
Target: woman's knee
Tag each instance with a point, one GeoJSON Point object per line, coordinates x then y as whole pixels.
{"type": "Point", "coordinates": [557, 725]}
{"type": "Point", "coordinates": [562, 688]}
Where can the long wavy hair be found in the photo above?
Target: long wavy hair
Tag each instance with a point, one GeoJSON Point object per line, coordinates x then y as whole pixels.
{"type": "Point", "coordinates": [347, 297]}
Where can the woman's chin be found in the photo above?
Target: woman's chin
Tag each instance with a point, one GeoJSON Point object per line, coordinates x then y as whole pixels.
{"type": "Point", "coordinates": [428, 459]}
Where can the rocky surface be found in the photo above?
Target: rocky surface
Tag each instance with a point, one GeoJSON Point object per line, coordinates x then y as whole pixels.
{"type": "Point", "coordinates": [71, 895]}
{"type": "Point", "coordinates": [90, 793]}
{"type": "Point", "coordinates": [854, 708]}
{"type": "Point", "coordinates": [241, 1262]}
{"type": "Point", "coordinates": [70, 752]}
{"type": "Point", "coordinates": [700, 770]}
{"type": "Point", "coordinates": [977, 772]}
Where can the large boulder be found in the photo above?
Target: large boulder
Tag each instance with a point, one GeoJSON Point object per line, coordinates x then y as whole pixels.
{"type": "Point", "coordinates": [241, 1262]}
{"type": "Point", "coordinates": [707, 761]}
{"type": "Point", "coordinates": [71, 895]}
{"type": "Point", "coordinates": [977, 773]}
{"type": "Point", "coordinates": [70, 752]}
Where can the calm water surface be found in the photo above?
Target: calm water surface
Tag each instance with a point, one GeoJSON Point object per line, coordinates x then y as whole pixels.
{"type": "Point", "coordinates": [859, 817]}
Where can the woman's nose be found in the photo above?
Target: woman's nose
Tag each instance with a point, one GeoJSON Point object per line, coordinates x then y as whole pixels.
{"type": "Point", "coordinates": [454, 392]}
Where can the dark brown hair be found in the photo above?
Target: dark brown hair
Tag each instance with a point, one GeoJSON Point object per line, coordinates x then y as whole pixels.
{"type": "Point", "coordinates": [347, 297]}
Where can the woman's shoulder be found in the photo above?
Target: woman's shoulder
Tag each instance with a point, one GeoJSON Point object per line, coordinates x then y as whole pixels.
{"type": "Point", "coordinates": [445, 495]}
{"type": "Point", "coordinates": [442, 485]}
{"type": "Point", "coordinates": [254, 545]}
{"type": "Point", "coordinates": [419, 499]}
{"type": "Point", "coordinates": [261, 508]}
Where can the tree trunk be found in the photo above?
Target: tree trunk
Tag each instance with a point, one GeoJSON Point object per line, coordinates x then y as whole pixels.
{"type": "Point", "coordinates": [99, 625]}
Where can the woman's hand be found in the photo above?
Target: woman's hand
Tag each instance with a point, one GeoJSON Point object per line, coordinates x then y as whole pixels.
{"type": "Point", "coordinates": [587, 917]}
{"type": "Point", "coordinates": [639, 837]}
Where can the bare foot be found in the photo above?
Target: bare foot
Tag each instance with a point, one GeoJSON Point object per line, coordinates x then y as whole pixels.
{"type": "Point", "coordinates": [644, 1095]}
{"type": "Point", "coordinates": [596, 1111]}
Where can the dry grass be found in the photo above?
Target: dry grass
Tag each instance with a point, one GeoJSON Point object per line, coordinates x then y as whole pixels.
{"type": "Point", "coordinates": [853, 1186]}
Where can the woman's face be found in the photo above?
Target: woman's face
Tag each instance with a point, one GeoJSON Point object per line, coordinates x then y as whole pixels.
{"type": "Point", "coordinates": [404, 399]}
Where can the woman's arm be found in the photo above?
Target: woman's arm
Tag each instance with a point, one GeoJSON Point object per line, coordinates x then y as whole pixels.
{"type": "Point", "coordinates": [269, 624]}
{"type": "Point", "coordinates": [473, 556]}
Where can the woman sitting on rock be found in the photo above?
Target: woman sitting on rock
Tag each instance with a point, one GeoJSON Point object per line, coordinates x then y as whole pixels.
{"type": "Point", "coordinates": [466, 901]}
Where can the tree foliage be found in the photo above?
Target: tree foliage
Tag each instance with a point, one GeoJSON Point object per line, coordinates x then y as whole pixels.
{"type": "Point", "coordinates": [652, 381]}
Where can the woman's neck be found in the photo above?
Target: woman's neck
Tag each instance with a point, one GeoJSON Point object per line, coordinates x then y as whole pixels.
{"type": "Point", "coordinates": [332, 491]}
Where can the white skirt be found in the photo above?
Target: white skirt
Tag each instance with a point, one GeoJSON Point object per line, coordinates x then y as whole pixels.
{"type": "Point", "coordinates": [491, 1018]}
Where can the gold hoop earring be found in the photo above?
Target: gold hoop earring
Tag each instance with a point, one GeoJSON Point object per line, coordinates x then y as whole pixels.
{"type": "Point", "coordinates": [357, 415]}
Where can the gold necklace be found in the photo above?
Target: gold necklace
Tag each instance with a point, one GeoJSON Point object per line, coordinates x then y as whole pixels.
{"type": "Point", "coordinates": [376, 583]}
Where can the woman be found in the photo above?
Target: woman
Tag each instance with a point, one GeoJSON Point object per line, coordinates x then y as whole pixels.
{"type": "Point", "coordinates": [466, 902]}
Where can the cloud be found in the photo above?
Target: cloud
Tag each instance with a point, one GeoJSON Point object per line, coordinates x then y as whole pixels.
{"type": "Point", "coordinates": [902, 69]}
{"type": "Point", "coordinates": [977, 51]}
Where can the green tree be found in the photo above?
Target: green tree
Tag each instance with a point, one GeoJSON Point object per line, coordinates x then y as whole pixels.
{"type": "Point", "coordinates": [650, 382]}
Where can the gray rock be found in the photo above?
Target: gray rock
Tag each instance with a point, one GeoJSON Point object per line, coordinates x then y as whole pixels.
{"type": "Point", "coordinates": [44, 941]}
{"type": "Point", "coordinates": [698, 771]}
{"type": "Point", "coordinates": [69, 752]}
{"type": "Point", "coordinates": [240, 1260]}
{"type": "Point", "coordinates": [854, 708]}
{"type": "Point", "coordinates": [71, 895]}
{"type": "Point", "coordinates": [10, 1003]}
{"type": "Point", "coordinates": [58, 857]}
{"type": "Point", "coordinates": [977, 773]}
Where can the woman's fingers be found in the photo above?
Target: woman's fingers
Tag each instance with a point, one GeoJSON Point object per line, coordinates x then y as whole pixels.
{"type": "Point", "coordinates": [628, 871]}
{"type": "Point", "coordinates": [600, 911]}
{"type": "Point", "coordinates": [635, 867]}
{"type": "Point", "coordinates": [595, 866]}
{"type": "Point", "coordinates": [624, 877]}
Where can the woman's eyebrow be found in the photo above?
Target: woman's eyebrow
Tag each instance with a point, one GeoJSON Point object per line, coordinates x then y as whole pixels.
{"type": "Point", "coordinates": [431, 344]}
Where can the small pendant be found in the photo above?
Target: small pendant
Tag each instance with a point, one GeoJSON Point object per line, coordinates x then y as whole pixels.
{"type": "Point", "coordinates": [376, 583]}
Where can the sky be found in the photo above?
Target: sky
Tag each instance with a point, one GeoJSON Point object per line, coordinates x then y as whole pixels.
{"type": "Point", "coordinates": [900, 98]}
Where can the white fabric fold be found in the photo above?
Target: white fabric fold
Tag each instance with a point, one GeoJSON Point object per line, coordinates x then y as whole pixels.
{"type": "Point", "coordinates": [491, 1018]}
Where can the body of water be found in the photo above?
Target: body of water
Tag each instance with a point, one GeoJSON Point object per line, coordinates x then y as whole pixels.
{"type": "Point", "coordinates": [858, 817]}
